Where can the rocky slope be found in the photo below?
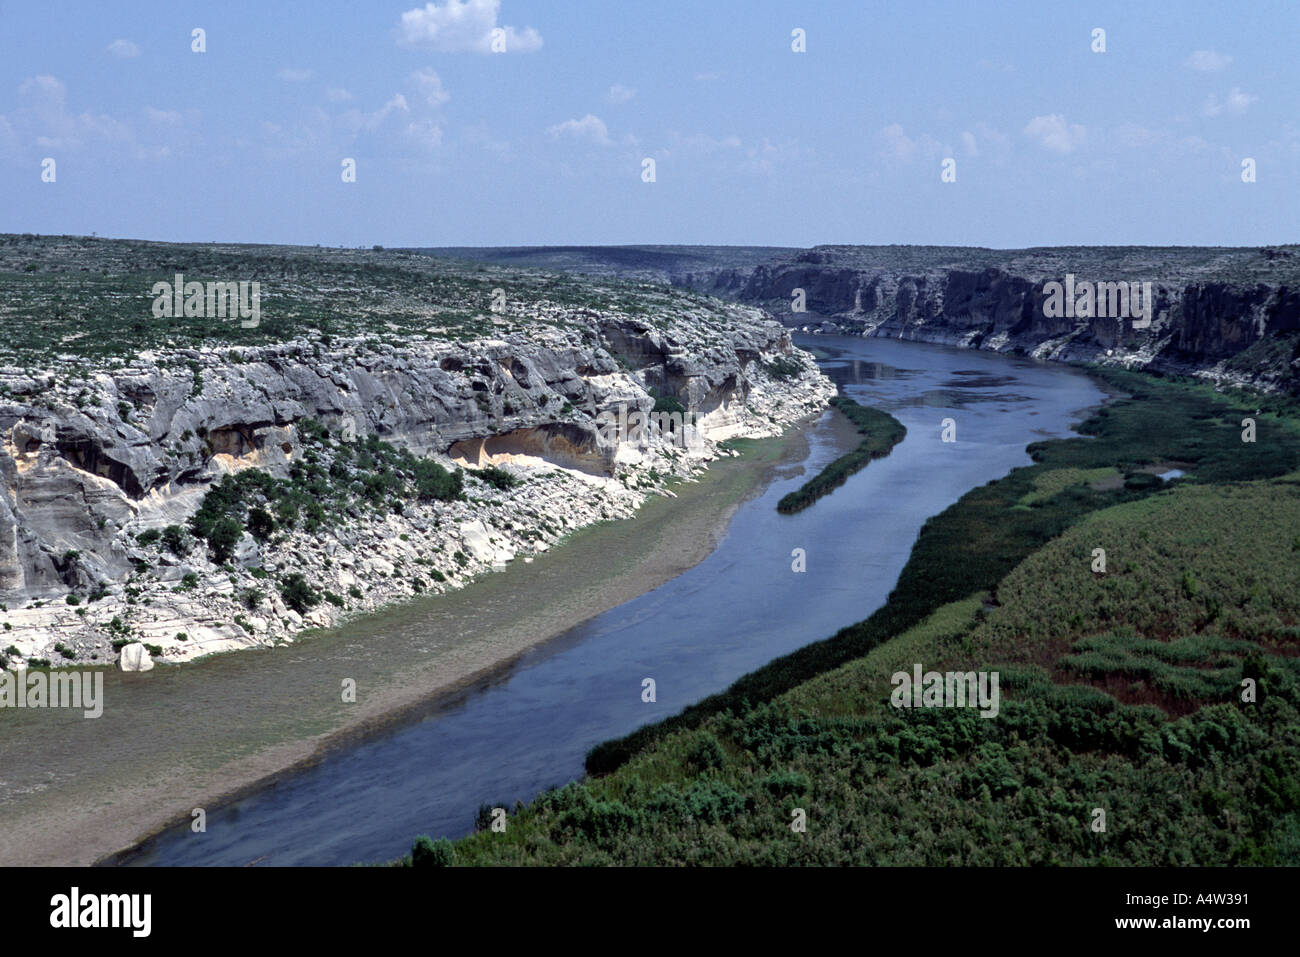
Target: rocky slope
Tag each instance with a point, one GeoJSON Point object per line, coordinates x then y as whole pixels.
{"type": "Point", "coordinates": [1231, 316]}
{"type": "Point", "coordinates": [101, 454]}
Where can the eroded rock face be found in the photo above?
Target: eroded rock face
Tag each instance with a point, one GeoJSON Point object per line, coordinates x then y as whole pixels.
{"type": "Point", "coordinates": [570, 445]}
{"type": "Point", "coordinates": [1227, 315]}
{"type": "Point", "coordinates": [86, 465]}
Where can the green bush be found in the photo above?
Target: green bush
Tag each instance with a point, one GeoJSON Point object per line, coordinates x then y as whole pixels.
{"type": "Point", "coordinates": [222, 538]}
{"type": "Point", "coordinates": [298, 594]}
{"type": "Point", "coordinates": [497, 477]}
{"type": "Point", "coordinates": [430, 853]}
{"type": "Point", "coordinates": [260, 524]}
{"type": "Point", "coordinates": [706, 754]}
{"type": "Point", "coordinates": [175, 541]}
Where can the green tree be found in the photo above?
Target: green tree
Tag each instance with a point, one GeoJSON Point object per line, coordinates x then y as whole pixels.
{"type": "Point", "coordinates": [429, 853]}
{"type": "Point", "coordinates": [298, 593]}
{"type": "Point", "coordinates": [223, 538]}
{"type": "Point", "coordinates": [260, 524]}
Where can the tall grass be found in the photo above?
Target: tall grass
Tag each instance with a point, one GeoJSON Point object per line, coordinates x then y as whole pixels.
{"type": "Point", "coordinates": [880, 432]}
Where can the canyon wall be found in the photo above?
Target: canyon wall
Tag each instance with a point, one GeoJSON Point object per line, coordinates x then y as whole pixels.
{"type": "Point", "coordinates": [89, 462]}
{"type": "Point", "coordinates": [1231, 316]}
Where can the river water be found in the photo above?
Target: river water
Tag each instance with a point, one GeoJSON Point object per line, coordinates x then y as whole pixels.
{"type": "Point", "coordinates": [529, 727]}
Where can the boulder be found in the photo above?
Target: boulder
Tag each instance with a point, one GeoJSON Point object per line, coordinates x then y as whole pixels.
{"type": "Point", "coordinates": [135, 657]}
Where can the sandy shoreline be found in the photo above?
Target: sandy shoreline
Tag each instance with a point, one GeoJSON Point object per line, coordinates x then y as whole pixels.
{"type": "Point", "coordinates": [98, 814]}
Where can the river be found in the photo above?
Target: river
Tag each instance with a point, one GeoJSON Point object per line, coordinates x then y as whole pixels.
{"type": "Point", "coordinates": [528, 726]}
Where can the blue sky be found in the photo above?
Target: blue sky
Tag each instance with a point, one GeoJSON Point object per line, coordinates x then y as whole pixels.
{"type": "Point", "coordinates": [754, 144]}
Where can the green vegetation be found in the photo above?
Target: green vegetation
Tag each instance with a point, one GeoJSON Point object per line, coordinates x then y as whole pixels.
{"type": "Point", "coordinates": [430, 853]}
{"type": "Point", "coordinates": [782, 368]}
{"type": "Point", "coordinates": [498, 478]}
{"type": "Point", "coordinates": [1121, 690]}
{"type": "Point", "coordinates": [175, 540]}
{"type": "Point", "coordinates": [298, 593]}
{"type": "Point", "coordinates": [880, 432]}
{"type": "Point", "coordinates": [94, 297]}
{"type": "Point", "coordinates": [330, 483]}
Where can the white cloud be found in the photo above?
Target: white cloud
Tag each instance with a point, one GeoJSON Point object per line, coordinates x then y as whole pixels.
{"type": "Point", "coordinates": [43, 93]}
{"type": "Point", "coordinates": [707, 77]}
{"type": "Point", "coordinates": [123, 49]}
{"type": "Point", "coordinates": [430, 86]}
{"type": "Point", "coordinates": [354, 121]}
{"type": "Point", "coordinates": [463, 26]}
{"type": "Point", "coordinates": [1208, 61]}
{"type": "Point", "coordinates": [766, 156]}
{"type": "Point", "coordinates": [1053, 133]}
{"type": "Point", "coordinates": [898, 147]}
{"type": "Point", "coordinates": [1236, 102]}
{"type": "Point", "coordinates": [338, 95]}
{"type": "Point", "coordinates": [43, 121]}
{"type": "Point", "coordinates": [398, 102]}
{"type": "Point", "coordinates": [619, 94]}
{"type": "Point", "coordinates": [425, 133]}
{"type": "Point", "coordinates": [588, 128]}
{"type": "Point", "coordinates": [291, 75]}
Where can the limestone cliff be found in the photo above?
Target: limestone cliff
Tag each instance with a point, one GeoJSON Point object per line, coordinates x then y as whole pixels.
{"type": "Point", "coordinates": [99, 454]}
{"type": "Point", "coordinates": [1228, 315]}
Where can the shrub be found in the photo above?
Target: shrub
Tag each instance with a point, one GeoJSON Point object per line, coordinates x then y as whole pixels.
{"type": "Point", "coordinates": [176, 541]}
{"type": "Point", "coordinates": [670, 404]}
{"type": "Point", "coordinates": [706, 754]}
{"type": "Point", "coordinates": [432, 481]}
{"type": "Point", "coordinates": [497, 477]}
{"type": "Point", "coordinates": [1142, 481]}
{"type": "Point", "coordinates": [430, 853]}
{"type": "Point", "coordinates": [260, 524]}
{"type": "Point", "coordinates": [222, 539]}
{"type": "Point", "coordinates": [298, 593]}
